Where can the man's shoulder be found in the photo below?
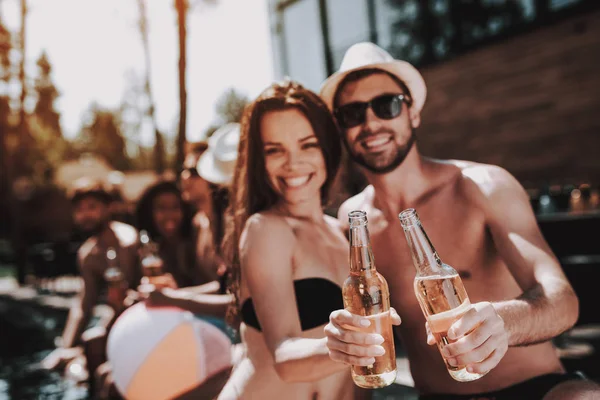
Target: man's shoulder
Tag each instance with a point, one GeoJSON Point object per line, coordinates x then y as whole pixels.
{"type": "Point", "coordinates": [360, 201]}
{"type": "Point", "coordinates": [485, 182]}
{"type": "Point", "coordinates": [334, 222]}
{"type": "Point", "coordinates": [126, 234]}
{"type": "Point", "coordinates": [87, 248]}
{"type": "Point", "coordinates": [487, 177]}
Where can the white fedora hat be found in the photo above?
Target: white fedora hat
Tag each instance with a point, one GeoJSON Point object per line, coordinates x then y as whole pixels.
{"type": "Point", "coordinates": [217, 163]}
{"type": "Point", "coordinates": [368, 55]}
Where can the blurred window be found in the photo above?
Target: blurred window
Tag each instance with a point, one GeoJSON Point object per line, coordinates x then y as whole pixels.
{"type": "Point", "coordinates": [422, 32]}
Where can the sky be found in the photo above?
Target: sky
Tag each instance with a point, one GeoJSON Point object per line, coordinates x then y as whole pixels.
{"type": "Point", "coordinates": [93, 45]}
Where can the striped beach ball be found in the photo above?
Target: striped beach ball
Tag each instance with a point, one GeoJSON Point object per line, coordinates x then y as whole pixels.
{"type": "Point", "coordinates": [158, 353]}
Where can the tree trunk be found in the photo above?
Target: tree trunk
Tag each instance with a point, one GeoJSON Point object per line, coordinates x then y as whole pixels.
{"type": "Point", "coordinates": [19, 163]}
{"type": "Point", "coordinates": [181, 7]}
{"type": "Point", "coordinates": [23, 142]}
{"type": "Point", "coordinates": [159, 145]}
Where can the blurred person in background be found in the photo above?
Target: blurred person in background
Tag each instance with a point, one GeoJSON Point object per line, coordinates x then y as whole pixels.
{"type": "Point", "coordinates": [162, 213]}
{"type": "Point", "coordinates": [208, 301]}
{"type": "Point", "coordinates": [110, 244]}
{"type": "Point", "coordinates": [187, 278]}
{"type": "Point", "coordinates": [216, 166]}
{"type": "Point", "coordinates": [119, 207]}
{"type": "Point", "coordinates": [197, 192]}
{"type": "Point", "coordinates": [194, 189]}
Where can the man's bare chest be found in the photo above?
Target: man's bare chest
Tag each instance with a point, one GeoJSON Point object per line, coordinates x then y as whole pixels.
{"type": "Point", "coordinates": [463, 243]}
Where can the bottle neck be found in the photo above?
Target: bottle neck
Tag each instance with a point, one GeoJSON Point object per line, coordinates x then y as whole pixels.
{"type": "Point", "coordinates": [361, 255]}
{"type": "Point", "coordinates": [425, 258]}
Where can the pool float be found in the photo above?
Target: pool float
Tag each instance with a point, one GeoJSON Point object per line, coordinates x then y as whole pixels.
{"type": "Point", "coordinates": [158, 353]}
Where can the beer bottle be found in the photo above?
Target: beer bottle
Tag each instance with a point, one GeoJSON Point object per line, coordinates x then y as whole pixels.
{"type": "Point", "coordinates": [115, 280]}
{"type": "Point", "coordinates": [152, 263]}
{"type": "Point", "coordinates": [366, 293]}
{"type": "Point", "coordinates": [439, 289]}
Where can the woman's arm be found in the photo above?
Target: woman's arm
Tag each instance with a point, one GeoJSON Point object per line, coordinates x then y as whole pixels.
{"type": "Point", "coordinates": [266, 250]}
{"type": "Point", "coordinates": [198, 303]}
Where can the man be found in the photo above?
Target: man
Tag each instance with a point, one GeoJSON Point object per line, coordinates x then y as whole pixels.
{"type": "Point", "coordinates": [92, 215]}
{"type": "Point", "coordinates": [480, 221]}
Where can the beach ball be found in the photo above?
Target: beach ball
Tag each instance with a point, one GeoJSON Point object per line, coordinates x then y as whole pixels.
{"type": "Point", "coordinates": [158, 353]}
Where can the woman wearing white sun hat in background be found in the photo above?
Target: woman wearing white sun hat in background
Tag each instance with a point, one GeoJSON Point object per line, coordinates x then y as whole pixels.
{"type": "Point", "coordinates": [216, 166]}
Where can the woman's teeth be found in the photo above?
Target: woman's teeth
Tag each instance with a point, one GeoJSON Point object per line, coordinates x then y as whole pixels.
{"type": "Point", "coordinates": [297, 181]}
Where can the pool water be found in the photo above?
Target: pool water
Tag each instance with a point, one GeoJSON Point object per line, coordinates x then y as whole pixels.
{"type": "Point", "coordinates": [26, 337]}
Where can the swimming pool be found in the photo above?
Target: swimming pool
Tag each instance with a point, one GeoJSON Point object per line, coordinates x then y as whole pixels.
{"type": "Point", "coordinates": [26, 337]}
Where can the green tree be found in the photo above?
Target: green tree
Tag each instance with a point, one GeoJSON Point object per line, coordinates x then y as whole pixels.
{"type": "Point", "coordinates": [50, 147]}
{"type": "Point", "coordinates": [208, 132]}
{"type": "Point", "coordinates": [101, 134]}
{"type": "Point", "coordinates": [5, 127]}
{"type": "Point", "coordinates": [159, 145]}
{"type": "Point", "coordinates": [230, 106]}
{"type": "Point", "coordinates": [47, 93]}
{"type": "Point", "coordinates": [25, 142]}
{"type": "Point", "coordinates": [5, 111]}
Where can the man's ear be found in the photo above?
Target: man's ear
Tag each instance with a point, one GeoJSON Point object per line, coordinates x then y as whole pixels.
{"type": "Point", "coordinates": [415, 118]}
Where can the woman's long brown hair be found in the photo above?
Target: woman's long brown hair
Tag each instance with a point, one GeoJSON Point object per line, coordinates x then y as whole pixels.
{"type": "Point", "coordinates": [251, 191]}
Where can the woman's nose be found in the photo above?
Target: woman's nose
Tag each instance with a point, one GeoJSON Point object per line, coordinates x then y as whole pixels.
{"type": "Point", "coordinates": [292, 160]}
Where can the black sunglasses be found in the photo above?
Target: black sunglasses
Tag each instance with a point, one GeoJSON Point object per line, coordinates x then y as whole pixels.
{"type": "Point", "coordinates": [386, 106]}
{"type": "Point", "coordinates": [193, 172]}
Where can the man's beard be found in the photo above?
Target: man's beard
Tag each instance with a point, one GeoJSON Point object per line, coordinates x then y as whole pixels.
{"type": "Point", "coordinates": [396, 160]}
{"type": "Point", "coordinates": [94, 229]}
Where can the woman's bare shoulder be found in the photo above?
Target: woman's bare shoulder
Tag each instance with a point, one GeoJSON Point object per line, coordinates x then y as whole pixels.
{"type": "Point", "coordinates": [266, 228]}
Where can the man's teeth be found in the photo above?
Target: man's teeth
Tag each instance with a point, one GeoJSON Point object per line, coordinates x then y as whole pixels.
{"type": "Point", "coordinates": [298, 181]}
{"type": "Point", "coordinates": [376, 141]}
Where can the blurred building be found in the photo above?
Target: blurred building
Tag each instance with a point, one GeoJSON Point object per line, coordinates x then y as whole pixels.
{"type": "Point", "coordinates": [511, 82]}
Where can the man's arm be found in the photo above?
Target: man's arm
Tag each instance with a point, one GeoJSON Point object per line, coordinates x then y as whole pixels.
{"type": "Point", "coordinates": [80, 314]}
{"type": "Point", "coordinates": [548, 305]}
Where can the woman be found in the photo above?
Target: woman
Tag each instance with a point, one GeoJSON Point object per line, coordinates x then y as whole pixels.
{"type": "Point", "coordinates": [216, 166]}
{"type": "Point", "coordinates": [162, 213]}
{"type": "Point", "coordinates": [288, 259]}
{"type": "Point", "coordinates": [168, 220]}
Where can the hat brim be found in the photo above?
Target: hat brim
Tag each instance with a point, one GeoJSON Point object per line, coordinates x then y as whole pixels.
{"type": "Point", "coordinates": [208, 170]}
{"type": "Point", "coordinates": [403, 70]}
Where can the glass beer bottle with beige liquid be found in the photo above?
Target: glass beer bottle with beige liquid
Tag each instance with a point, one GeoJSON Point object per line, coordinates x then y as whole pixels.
{"type": "Point", "coordinates": [438, 287]}
{"type": "Point", "coordinates": [152, 264]}
{"type": "Point", "coordinates": [115, 281]}
{"type": "Point", "coordinates": [366, 293]}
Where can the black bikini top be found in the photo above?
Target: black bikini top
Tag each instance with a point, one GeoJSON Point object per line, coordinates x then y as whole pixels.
{"type": "Point", "coordinates": [316, 298]}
